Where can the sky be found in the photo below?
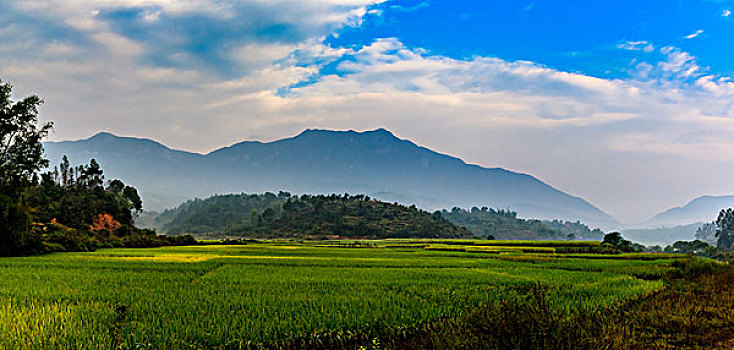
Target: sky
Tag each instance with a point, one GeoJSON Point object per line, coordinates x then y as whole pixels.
{"type": "Point", "coordinates": [627, 104]}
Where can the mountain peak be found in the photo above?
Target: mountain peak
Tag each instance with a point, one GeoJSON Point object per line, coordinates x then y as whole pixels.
{"type": "Point", "coordinates": [380, 131]}
{"type": "Point", "coordinates": [103, 134]}
{"type": "Point", "coordinates": [115, 142]}
{"type": "Point", "coordinates": [376, 132]}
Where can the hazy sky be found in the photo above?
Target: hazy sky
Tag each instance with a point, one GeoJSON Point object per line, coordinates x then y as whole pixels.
{"type": "Point", "coordinates": [628, 104]}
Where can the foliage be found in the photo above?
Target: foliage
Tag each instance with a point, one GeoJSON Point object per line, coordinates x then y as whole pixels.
{"type": "Point", "coordinates": [21, 150]}
{"type": "Point", "coordinates": [725, 229]}
{"type": "Point", "coordinates": [306, 216]}
{"type": "Point", "coordinates": [615, 241]}
{"type": "Point", "coordinates": [14, 231]}
{"type": "Point", "coordinates": [575, 230]}
{"type": "Point", "coordinates": [69, 206]}
{"type": "Point", "coordinates": [500, 224]}
{"type": "Point", "coordinates": [74, 211]}
{"type": "Point", "coordinates": [707, 233]}
{"type": "Point", "coordinates": [220, 213]}
{"type": "Point", "coordinates": [56, 237]}
{"type": "Point", "coordinates": [76, 197]}
{"type": "Point", "coordinates": [21, 155]}
{"type": "Point", "coordinates": [696, 247]}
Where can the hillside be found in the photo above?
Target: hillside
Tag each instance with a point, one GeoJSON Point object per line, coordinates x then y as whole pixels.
{"type": "Point", "coordinates": [306, 216]}
{"type": "Point", "coordinates": [505, 225]}
{"type": "Point", "coordinates": [701, 209]}
{"type": "Point", "coordinates": [320, 161]}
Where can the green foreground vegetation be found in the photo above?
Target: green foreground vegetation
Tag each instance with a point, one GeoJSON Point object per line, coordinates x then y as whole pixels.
{"type": "Point", "coordinates": [312, 294]}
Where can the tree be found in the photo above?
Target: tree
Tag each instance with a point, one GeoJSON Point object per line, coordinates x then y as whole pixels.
{"type": "Point", "coordinates": [21, 156]}
{"type": "Point", "coordinates": [268, 214]}
{"type": "Point", "coordinates": [725, 229]}
{"type": "Point", "coordinates": [707, 233]}
{"type": "Point", "coordinates": [78, 201]}
{"type": "Point", "coordinates": [131, 194]}
{"type": "Point", "coordinates": [613, 238]}
{"type": "Point", "coordinates": [616, 240]}
{"type": "Point", "coordinates": [21, 150]}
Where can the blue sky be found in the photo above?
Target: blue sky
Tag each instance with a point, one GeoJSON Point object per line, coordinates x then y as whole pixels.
{"type": "Point", "coordinates": [577, 36]}
{"type": "Point", "coordinates": [628, 104]}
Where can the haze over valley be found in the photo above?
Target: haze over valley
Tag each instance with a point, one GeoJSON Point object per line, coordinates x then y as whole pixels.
{"type": "Point", "coordinates": [374, 162]}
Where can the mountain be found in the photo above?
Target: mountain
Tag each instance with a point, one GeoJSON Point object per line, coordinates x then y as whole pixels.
{"type": "Point", "coordinates": [663, 236]}
{"type": "Point", "coordinates": [701, 209]}
{"type": "Point", "coordinates": [375, 163]}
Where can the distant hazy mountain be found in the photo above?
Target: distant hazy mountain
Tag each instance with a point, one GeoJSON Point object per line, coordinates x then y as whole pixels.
{"type": "Point", "coordinates": [701, 209]}
{"type": "Point", "coordinates": [375, 163]}
{"type": "Point", "coordinates": [663, 236]}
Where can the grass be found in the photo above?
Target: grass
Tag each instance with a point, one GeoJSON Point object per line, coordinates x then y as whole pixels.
{"type": "Point", "coordinates": [290, 294]}
{"type": "Point", "coordinates": [693, 312]}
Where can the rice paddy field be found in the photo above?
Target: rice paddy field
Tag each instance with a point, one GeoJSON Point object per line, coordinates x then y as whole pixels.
{"type": "Point", "coordinates": [271, 294]}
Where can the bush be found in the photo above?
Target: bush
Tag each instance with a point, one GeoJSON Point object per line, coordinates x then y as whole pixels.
{"type": "Point", "coordinates": [16, 235]}
{"type": "Point", "coordinates": [694, 267]}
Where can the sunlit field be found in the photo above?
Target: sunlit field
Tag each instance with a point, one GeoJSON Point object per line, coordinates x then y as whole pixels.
{"type": "Point", "coordinates": [230, 296]}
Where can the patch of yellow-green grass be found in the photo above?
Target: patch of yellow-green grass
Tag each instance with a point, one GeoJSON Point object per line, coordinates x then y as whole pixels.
{"type": "Point", "coordinates": [37, 324]}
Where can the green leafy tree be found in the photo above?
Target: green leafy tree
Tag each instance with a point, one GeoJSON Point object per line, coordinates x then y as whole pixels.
{"type": "Point", "coordinates": [616, 240]}
{"type": "Point", "coordinates": [21, 156]}
{"type": "Point", "coordinates": [21, 150]}
{"type": "Point", "coordinates": [79, 200]}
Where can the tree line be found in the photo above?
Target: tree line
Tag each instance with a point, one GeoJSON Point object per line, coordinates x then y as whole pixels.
{"type": "Point", "coordinates": [504, 224]}
{"type": "Point", "coordinates": [67, 208]}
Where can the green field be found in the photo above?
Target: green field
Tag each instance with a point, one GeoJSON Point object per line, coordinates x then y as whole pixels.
{"type": "Point", "coordinates": [228, 296]}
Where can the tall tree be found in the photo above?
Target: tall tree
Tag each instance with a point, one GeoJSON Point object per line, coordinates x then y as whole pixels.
{"type": "Point", "coordinates": [725, 229]}
{"type": "Point", "coordinates": [21, 156]}
{"type": "Point", "coordinates": [21, 150]}
{"type": "Point", "coordinates": [707, 233]}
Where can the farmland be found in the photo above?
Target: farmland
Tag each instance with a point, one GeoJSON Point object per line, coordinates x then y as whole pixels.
{"type": "Point", "coordinates": [287, 293]}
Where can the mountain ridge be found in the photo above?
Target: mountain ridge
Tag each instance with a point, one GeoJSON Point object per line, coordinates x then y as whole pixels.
{"type": "Point", "coordinates": [324, 161]}
{"type": "Point", "coordinates": [699, 209]}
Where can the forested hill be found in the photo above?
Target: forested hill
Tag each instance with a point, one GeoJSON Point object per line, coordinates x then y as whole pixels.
{"type": "Point", "coordinates": [285, 216]}
{"type": "Point", "coordinates": [504, 224]}
{"type": "Point", "coordinates": [281, 215]}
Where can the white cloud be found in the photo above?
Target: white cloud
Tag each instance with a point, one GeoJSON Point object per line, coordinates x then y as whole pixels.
{"type": "Point", "coordinates": [695, 34]}
{"type": "Point", "coordinates": [642, 45]}
{"type": "Point", "coordinates": [169, 33]}
{"type": "Point", "coordinates": [118, 45]}
{"type": "Point", "coordinates": [726, 13]}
